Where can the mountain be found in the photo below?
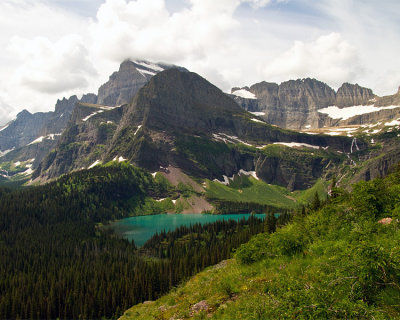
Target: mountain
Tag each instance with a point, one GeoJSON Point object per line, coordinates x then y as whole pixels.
{"type": "Point", "coordinates": [180, 120]}
{"type": "Point", "coordinates": [23, 130]}
{"type": "Point", "coordinates": [305, 104]}
{"type": "Point", "coordinates": [32, 136]}
{"type": "Point", "coordinates": [126, 82]}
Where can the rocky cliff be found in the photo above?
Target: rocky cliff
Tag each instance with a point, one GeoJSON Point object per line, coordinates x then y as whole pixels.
{"type": "Point", "coordinates": [296, 104]}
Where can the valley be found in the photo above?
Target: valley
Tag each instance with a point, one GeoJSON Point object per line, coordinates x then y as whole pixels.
{"type": "Point", "coordinates": [160, 139]}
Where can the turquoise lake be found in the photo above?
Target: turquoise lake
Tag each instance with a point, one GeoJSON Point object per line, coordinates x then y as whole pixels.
{"type": "Point", "coordinates": [142, 228]}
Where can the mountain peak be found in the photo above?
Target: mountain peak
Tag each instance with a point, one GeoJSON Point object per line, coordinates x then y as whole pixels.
{"type": "Point", "coordinates": [126, 82]}
{"type": "Point", "coordinates": [182, 100]}
{"type": "Point", "coordinates": [24, 113]}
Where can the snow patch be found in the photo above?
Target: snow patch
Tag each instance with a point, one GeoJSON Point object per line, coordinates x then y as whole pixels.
{"type": "Point", "coordinates": [146, 72]}
{"type": "Point", "coordinates": [256, 120]}
{"type": "Point", "coordinates": [241, 172]}
{"type": "Point", "coordinates": [149, 65]}
{"type": "Point", "coordinates": [91, 115]}
{"type": "Point", "coordinates": [346, 129]}
{"type": "Point", "coordinates": [159, 200]}
{"type": "Point", "coordinates": [102, 109]}
{"type": "Point", "coordinates": [5, 127]}
{"type": "Point", "coordinates": [243, 93]}
{"type": "Point", "coordinates": [225, 182]}
{"type": "Point", "coordinates": [297, 144]}
{"type": "Point", "coordinates": [38, 140]}
{"type": "Point", "coordinates": [154, 174]}
{"type": "Point", "coordinates": [48, 137]}
{"type": "Point", "coordinates": [339, 131]}
{"type": "Point", "coordinates": [248, 173]}
{"type": "Point", "coordinates": [393, 123]}
{"type": "Point", "coordinates": [173, 201]}
{"type": "Point", "coordinates": [3, 153]}
{"type": "Point", "coordinates": [346, 113]}
{"type": "Point", "coordinates": [308, 126]}
{"type": "Point", "coordinates": [229, 139]}
{"type": "Point", "coordinates": [375, 131]}
{"type": "Point", "coordinates": [27, 172]}
{"type": "Point", "coordinates": [258, 113]}
{"type": "Point", "coordinates": [94, 164]}
{"type": "Point", "coordinates": [138, 128]}
{"type": "Point", "coordinates": [18, 163]}
{"type": "Point", "coordinates": [121, 159]}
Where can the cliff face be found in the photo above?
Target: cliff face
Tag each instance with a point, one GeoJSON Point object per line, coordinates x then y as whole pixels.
{"type": "Point", "coordinates": [353, 95]}
{"type": "Point", "coordinates": [294, 104]}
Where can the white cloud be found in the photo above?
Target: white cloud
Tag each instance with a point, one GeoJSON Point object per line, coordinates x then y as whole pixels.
{"type": "Point", "coordinates": [329, 58]}
{"type": "Point", "coordinates": [145, 29]}
{"type": "Point", "coordinates": [52, 67]}
{"type": "Point", "coordinates": [7, 112]}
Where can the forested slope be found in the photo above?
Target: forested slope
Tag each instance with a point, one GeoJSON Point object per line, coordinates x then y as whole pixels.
{"type": "Point", "coordinates": [58, 261]}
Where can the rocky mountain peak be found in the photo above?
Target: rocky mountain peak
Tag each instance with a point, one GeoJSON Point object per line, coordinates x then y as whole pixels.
{"type": "Point", "coordinates": [23, 114]}
{"type": "Point", "coordinates": [89, 98]}
{"type": "Point", "coordinates": [352, 95]}
{"type": "Point", "coordinates": [181, 100]}
{"type": "Point", "coordinates": [126, 82]}
{"type": "Point", "coordinates": [66, 105]}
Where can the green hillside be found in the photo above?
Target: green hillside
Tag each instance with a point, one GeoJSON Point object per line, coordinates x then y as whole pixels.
{"type": "Point", "coordinates": [248, 189]}
{"type": "Point", "coordinates": [334, 262]}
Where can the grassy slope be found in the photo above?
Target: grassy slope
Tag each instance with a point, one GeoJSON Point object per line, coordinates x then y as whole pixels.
{"type": "Point", "coordinates": [258, 191]}
{"type": "Point", "coordinates": [334, 263]}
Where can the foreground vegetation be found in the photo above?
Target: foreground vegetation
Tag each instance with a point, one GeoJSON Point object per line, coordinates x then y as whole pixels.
{"type": "Point", "coordinates": [334, 261]}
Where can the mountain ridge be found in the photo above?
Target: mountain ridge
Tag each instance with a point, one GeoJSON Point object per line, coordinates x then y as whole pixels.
{"type": "Point", "coordinates": [179, 119]}
{"type": "Point", "coordinates": [296, 104]}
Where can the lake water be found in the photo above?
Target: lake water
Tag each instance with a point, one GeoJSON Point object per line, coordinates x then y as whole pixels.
{"type": "Point", "coordinates": [142, 228]}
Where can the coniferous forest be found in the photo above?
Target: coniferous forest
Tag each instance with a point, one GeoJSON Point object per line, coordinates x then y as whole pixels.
{"type": "Point", "coordinates": [58, 262]}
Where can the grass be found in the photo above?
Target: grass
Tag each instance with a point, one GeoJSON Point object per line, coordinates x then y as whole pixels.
{"type": "Point", "coordinates": [306, 196]}
{"type": "Point", "coordinates": [251, 190]}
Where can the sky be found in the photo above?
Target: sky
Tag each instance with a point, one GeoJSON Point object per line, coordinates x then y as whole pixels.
{"type": "Point", "coordinates": [57, 48]}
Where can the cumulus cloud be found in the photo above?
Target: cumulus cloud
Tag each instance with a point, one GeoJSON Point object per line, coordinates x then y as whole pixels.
{"type": "Point", "coordinates": [329, 58]}
{"type": "Point", "coordinates": [145, 29]}
{"type": "Point", "coordinates": [7, 112]}
{"type": "Point", "coordinates": [52, 67]}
